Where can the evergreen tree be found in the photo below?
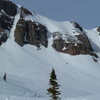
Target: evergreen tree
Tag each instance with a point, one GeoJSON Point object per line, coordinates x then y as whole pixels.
{"type": "Point", "coordinates": [54, 87]}
{"type": "Point", "coordinates": [4, 77]}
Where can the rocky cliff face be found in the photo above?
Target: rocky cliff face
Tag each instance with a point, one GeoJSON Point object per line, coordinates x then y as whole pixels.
{"type": "Point", "coordinates": [71, 46]}
{"type": "Point", "coordinates": [28, 32]}
{"type": "Point", "coordinates": [7, 12]}
{"type": "Point", "coordinates": [3, 36]}
{"type": "Point", "coordinates": [8, 7]}
{"type": "Point", "coordinates": [6, 21]}
{"type": "Point", "coordinates": [68, 44]}
{"type": "Point", "coordinates": [35, 33]}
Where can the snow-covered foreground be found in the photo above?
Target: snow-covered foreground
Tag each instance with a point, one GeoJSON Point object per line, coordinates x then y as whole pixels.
{"type": "Point", "coordinates": [27, 98]}
{"type": "Point", "coordinates": [28, 69]}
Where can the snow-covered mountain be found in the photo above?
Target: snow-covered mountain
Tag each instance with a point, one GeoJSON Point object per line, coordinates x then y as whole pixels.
{"type": "Point", "coordinates": [31, 45]}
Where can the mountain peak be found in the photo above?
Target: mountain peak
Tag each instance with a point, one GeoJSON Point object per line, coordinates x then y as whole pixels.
{"type": "Point", "coordinates": [33, 29]}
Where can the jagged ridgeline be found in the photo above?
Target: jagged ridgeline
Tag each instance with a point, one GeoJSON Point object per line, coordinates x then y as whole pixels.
{"type": "Point", "coordinates": [33, 32]}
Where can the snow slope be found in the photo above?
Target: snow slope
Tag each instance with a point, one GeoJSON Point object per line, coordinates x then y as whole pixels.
{"type": "Point", "coordinates": [28, 69]}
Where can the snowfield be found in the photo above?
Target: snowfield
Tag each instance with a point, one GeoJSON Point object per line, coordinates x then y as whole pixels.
{"type": "Point", "coordinates": [28, 69]}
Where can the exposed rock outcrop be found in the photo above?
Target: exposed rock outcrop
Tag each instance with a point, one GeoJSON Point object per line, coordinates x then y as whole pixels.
{"type": "Point", "coordinates": [71, 46]}
{"type": "Point", "coordinates": [84, 39]}
{"type": "Point", "coordinates": [76, 25]}
{"type": "Point", "coordinates": [3, 36]}
{"type": "Point", "coordinates": [37, 34]}
{"type": "Point", "coordinates": [28, 32]}
{"type": "Point", "coordinates": [20, 32]}
{"type": "Point", "coordinates": [98, 29]}
{"type": "Point", "coordinates": [24, 12]}
{"type": "Point", "coordinates": [8, 7]}
{"type": "Point", "coordinates": [7, 12]}
{"type": "Point", "coordinates": [6, 21]}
